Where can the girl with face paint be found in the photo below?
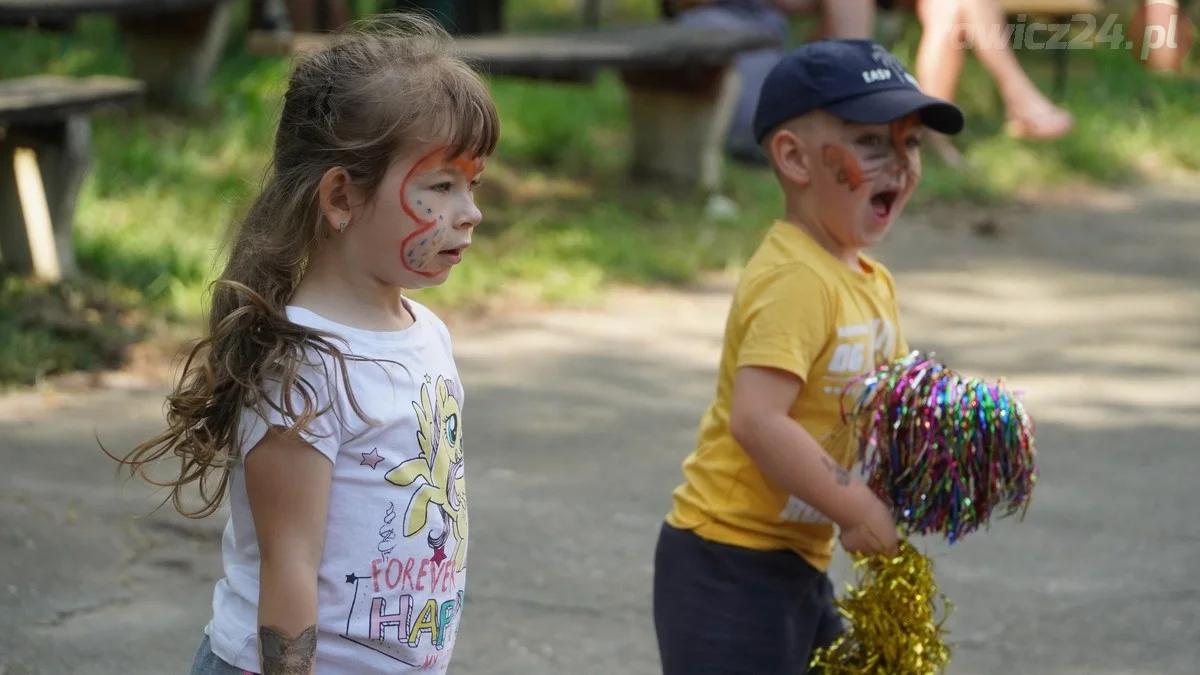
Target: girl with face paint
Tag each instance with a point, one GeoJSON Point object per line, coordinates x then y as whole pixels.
{"type": "Point", "coordinates": [421, 220]}
{"type": "Point", "coordinates": [325, 404]}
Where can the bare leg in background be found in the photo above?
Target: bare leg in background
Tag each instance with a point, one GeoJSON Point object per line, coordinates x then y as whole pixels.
{"type": "Point", "coordinates": [845, 19]}
{"type": "Point", "coordinates": [940, 57]}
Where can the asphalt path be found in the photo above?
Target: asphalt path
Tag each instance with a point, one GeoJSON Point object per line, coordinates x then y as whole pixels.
{"type": "Point", "coordinates": [577, 421]}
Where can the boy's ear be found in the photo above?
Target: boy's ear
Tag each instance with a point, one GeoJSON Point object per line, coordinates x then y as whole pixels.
{"type": "Point", "coordinates": [789, 155]}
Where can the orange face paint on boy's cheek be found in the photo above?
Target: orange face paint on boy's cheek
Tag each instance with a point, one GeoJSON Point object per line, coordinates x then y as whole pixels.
{"type": "Point", "coordinates": [420, 247]}
{"type": "Point", "coordinates": [847, 170]}
{"type": "Point", "coordinates": [843, 164]}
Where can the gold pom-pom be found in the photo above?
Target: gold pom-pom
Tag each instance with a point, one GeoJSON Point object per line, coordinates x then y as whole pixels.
{"type": "Point", "coordinates": [893, 624]}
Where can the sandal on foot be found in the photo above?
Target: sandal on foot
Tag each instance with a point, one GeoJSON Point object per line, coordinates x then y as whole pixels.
{"type": "Point", "coordinates": [1045, 127]}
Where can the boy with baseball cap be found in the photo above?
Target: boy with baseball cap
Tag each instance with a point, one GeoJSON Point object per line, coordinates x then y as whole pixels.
{"type": "Point", "coordinates": [740, 583]}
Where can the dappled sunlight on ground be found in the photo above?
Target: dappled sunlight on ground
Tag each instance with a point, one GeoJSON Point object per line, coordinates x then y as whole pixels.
{"type": "Point", "coordinates": [1090, 306]}
{"type": "Point", "coordinates": [1079, 347]}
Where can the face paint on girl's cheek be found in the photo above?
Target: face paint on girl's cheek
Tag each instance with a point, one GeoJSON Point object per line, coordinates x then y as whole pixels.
{"type": "Point", "coordinates": [417, 251]}
{"type": "Point", "coordinates": [422, 246]}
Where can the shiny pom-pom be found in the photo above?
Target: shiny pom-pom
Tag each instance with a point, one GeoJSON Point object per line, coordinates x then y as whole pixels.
{"type": "Point", "coordinates": [894, 623]}
{"type": "Point", "coordinates": [947, 452]}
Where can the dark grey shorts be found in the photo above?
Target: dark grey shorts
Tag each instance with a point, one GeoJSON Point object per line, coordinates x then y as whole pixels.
{"type": "Point", "coordinates": [727, 610]}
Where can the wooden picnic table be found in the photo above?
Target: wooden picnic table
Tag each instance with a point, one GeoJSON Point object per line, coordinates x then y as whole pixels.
{"type": "Point", "coordinates": [59, 10]}
{"type": "Point", "coordinates": [1060, 12]}
{"type": "Point", "coordinates": [45, 153]}
{"type": "Point", "coordinates": [679, 81]}
{"type": "Point", "coordinates": [653, 46]}
{"type": "Point", "coordinates": [173, 45]}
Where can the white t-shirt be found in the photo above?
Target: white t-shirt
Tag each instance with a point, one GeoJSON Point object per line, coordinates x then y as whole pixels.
{"type": "Point", "coordinates": [391, 581]}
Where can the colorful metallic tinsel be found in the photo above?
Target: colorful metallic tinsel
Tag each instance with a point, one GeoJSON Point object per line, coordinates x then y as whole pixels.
{"type": "Point", "coordinates": [947, 452]}
{"type": "Point", "coordinates": [894, 624]}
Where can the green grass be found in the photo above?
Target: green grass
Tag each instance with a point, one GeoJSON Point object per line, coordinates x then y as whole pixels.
{"type": "Point", "coordinates": [561, 221]}
{"type": "Point", "coordinates": [46, 330]}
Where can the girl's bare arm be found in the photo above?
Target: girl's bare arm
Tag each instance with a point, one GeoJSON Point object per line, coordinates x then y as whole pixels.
{"type": "Point", "coordinates": [287, 482]}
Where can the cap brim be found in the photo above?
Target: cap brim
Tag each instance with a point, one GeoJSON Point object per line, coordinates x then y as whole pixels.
{"type": "Point", "coordinates": [882, 107]}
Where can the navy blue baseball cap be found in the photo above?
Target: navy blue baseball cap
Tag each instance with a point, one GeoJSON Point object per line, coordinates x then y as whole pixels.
{"type": "Point", "coordinates": [857, 81]}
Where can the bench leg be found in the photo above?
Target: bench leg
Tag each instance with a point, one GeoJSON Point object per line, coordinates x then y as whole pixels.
{"type": "Point", "coordinates": [1060, 74]}
{"type": "Point", "coordinates": [679, 120]}
{"type": "Point", "coordinates": [176, 53]}
{"type": "Point", "coordinates": [62, 153]}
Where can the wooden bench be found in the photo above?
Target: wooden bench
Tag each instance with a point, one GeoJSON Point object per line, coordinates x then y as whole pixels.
{"type": "Point", "coordinates": [172, 45]}
{"type": "Point", "coordinates": [45, 153]}
{"type": "Point", "coordinates": [680, 84]}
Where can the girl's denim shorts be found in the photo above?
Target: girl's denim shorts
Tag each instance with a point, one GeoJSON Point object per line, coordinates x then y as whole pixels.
{"type": "Point", "coordinates": [208, 663]}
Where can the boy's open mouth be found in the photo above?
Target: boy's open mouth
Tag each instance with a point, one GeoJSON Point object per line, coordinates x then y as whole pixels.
{"type": "Point", "coordinates": [882, 202]}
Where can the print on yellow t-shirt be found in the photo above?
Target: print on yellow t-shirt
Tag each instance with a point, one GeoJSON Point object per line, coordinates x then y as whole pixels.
{"type": "Point", "coordinates": [798, 309]}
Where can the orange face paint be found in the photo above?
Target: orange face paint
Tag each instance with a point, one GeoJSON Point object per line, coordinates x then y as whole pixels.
{"type": "Point", "coordinates": [899, 130]}
{"type": "Point", "coordinates": [843, 164]}
{"type": "Point", "coordinates": [428, 238]}
{"type": "Point", "coordinates": [853, 171]}
{"type": "Point", "coordinates": [469, 167]}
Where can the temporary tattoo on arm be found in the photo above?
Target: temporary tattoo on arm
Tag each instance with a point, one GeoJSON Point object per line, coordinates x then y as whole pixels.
{"type": "Point", "coordinates": [282, 655]}
{"type": "Point", "coordinates": [843, 476]}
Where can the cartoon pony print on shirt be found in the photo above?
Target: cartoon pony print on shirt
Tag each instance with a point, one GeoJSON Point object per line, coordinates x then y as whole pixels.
{"type": "Point", "coordinates": [440, 466]}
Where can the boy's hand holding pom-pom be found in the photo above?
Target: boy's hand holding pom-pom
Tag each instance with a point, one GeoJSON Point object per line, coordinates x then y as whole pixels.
{"type": "Point", "coordinates": [862, 540]}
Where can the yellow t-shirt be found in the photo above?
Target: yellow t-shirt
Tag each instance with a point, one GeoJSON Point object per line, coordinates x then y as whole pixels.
{"type": "Point", "coordinates": [799, 309]}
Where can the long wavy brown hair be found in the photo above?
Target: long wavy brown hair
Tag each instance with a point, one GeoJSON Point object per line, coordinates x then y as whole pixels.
{"type": "Point", "coordinates": [382, 86]}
